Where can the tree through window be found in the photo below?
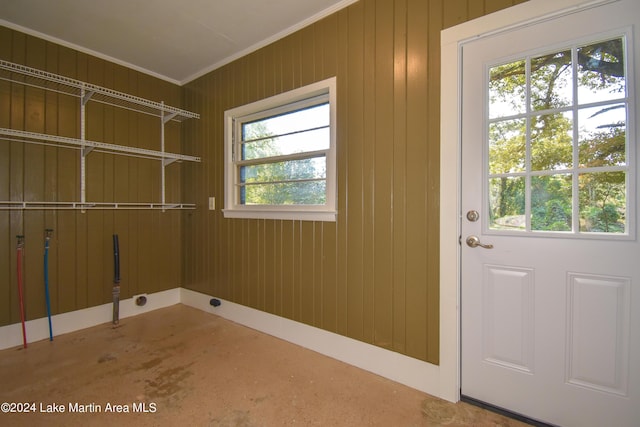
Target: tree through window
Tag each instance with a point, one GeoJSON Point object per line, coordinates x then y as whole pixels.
{"type": "Point", "coordinates": [557, 141]}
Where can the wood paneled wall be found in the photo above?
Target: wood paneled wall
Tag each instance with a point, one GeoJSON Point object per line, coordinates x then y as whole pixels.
{"type": "Point", "coordinates": [373, 274]}
{"type": "Point", "coordinates": [81, 252]}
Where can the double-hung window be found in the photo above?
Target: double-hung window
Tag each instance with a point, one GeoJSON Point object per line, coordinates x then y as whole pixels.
{"type": "Point", "coordinates": [280, 156]}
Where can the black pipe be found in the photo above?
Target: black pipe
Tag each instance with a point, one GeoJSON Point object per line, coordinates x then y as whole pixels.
{"type": "Point", "coordinates": [116, 260]}
{"type": "Point", "coordinates": [116, 280]}
{"type": "Point", "coordinates": [47, 237]}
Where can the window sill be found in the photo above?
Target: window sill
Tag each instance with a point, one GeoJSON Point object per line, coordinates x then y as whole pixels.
{"type": "Point", "coordinates": [329, 216]}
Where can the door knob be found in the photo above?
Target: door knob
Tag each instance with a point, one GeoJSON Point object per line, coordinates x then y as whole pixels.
{"type": "Point", "coordinates": [474, 242]}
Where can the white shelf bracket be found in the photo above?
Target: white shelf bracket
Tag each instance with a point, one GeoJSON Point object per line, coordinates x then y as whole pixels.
{"type": "Point", "coordinates": [164, 118]}
{"type": "Point", "coordinates": [168, 117]}
{"type": "Point", "coordinates": [86, 97]}
{"type": "Point", "coordinates": [87, 150]}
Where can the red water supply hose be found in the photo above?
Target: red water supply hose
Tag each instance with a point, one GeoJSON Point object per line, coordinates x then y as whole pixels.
{"type": "Point", "coordinates": [20, 293]}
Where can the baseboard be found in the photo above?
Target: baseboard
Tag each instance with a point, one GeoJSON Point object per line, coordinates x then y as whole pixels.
{"type": "Point", "coordinates": [397, 367]}
{"type": "Point", "coordinates": [38, 329]}
{"type": "Point", "coordinates": [405, 370]}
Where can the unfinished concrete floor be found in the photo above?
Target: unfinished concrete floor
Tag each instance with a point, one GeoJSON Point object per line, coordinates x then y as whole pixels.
{"type": "Point", "coordinates": [190, 368]}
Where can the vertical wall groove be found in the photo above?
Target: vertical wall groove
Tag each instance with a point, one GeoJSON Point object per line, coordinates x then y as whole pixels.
{"type": "Point", "coordinates": [373, 274]}
{"type": "Point", "coordinates": [81, 255]}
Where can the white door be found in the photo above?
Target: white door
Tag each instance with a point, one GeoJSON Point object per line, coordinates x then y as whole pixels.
{"type": "Point", "coordinates": [550, 306]}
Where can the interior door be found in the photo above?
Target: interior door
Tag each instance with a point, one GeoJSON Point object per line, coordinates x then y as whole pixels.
{"type": "Point", "coordinates": [550, 292]}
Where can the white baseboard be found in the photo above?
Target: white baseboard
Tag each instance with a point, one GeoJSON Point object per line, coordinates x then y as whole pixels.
{"type": "Point", "coordinates": [406, 370]}
{"type": "Point", "coordinates": [38, 329]}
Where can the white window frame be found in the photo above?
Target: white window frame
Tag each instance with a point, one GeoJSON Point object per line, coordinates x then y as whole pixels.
{"type": "Point", "coordinates": [233, 119]}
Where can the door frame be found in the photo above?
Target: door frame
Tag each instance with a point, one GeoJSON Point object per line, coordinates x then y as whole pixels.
{"type": "Point", "coordinates": [452, 42]}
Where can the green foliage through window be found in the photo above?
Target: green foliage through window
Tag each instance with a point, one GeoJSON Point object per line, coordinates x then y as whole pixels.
{"type": "Point", "coordinates": [282, 160]}
{"type": "Point", "coordinates": [557, 143]}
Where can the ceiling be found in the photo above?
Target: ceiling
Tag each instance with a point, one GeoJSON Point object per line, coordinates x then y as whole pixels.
{"type": "Point", "coordinates": [176, 40]}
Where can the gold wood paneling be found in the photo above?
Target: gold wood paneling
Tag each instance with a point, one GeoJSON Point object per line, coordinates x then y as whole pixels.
{"type": "Point", "coordinates": [81, 251]}
{"type": "Point", "coordinates": [373, 274]}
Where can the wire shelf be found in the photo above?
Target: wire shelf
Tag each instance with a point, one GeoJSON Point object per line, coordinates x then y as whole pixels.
{"type": "Point", "coordinates": [32, 205]}
{"type": "Point", "coordinates": [65, 85]}
{"type": "Point", "coordinates": [87, 92]}
{"type": "Point", "coordinates": [46, 139]}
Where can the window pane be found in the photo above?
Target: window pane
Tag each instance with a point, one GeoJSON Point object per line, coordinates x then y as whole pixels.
{"type": "Point", "coordinates": [506, 200]}
{"type": "Point", "coordinates": [507, 90]}
{"type": "Point", "coordinates": [557, 141]}
{"type": "Point", "coordinates": [289, 170]}
{"type": "Point", "coordinates": [290, 193]}
{"type": "Point", "coordinates": [603, 202]}
{"type": "Point", "coordinates": [311, 140]}
{"type": "Point", "coordinates": [296, 121]}
{"type": "Point", "coordinates": [601, 74]}
{"type": "Point", "coordinates": [602, 136]}
{"type": "Point", "coordinates": [551, 142]}
{"type": "Point", "coordinates": [551, 203]}
{"type": "Point", "coordinates": [507, 146]}
{"type": "Point", "coordinates": [551, 81]}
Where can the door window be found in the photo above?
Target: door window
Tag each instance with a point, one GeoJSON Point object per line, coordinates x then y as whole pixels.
{"type": "Point", "coordinates": [557, 146]}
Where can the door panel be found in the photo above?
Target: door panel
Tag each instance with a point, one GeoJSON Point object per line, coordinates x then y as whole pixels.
{"type": "Point", "coordinates": [508, 297]}
{"type": "Point", "coordinates": [550, 305]}
{"type": "Point", "coordinates": [598, 332]}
